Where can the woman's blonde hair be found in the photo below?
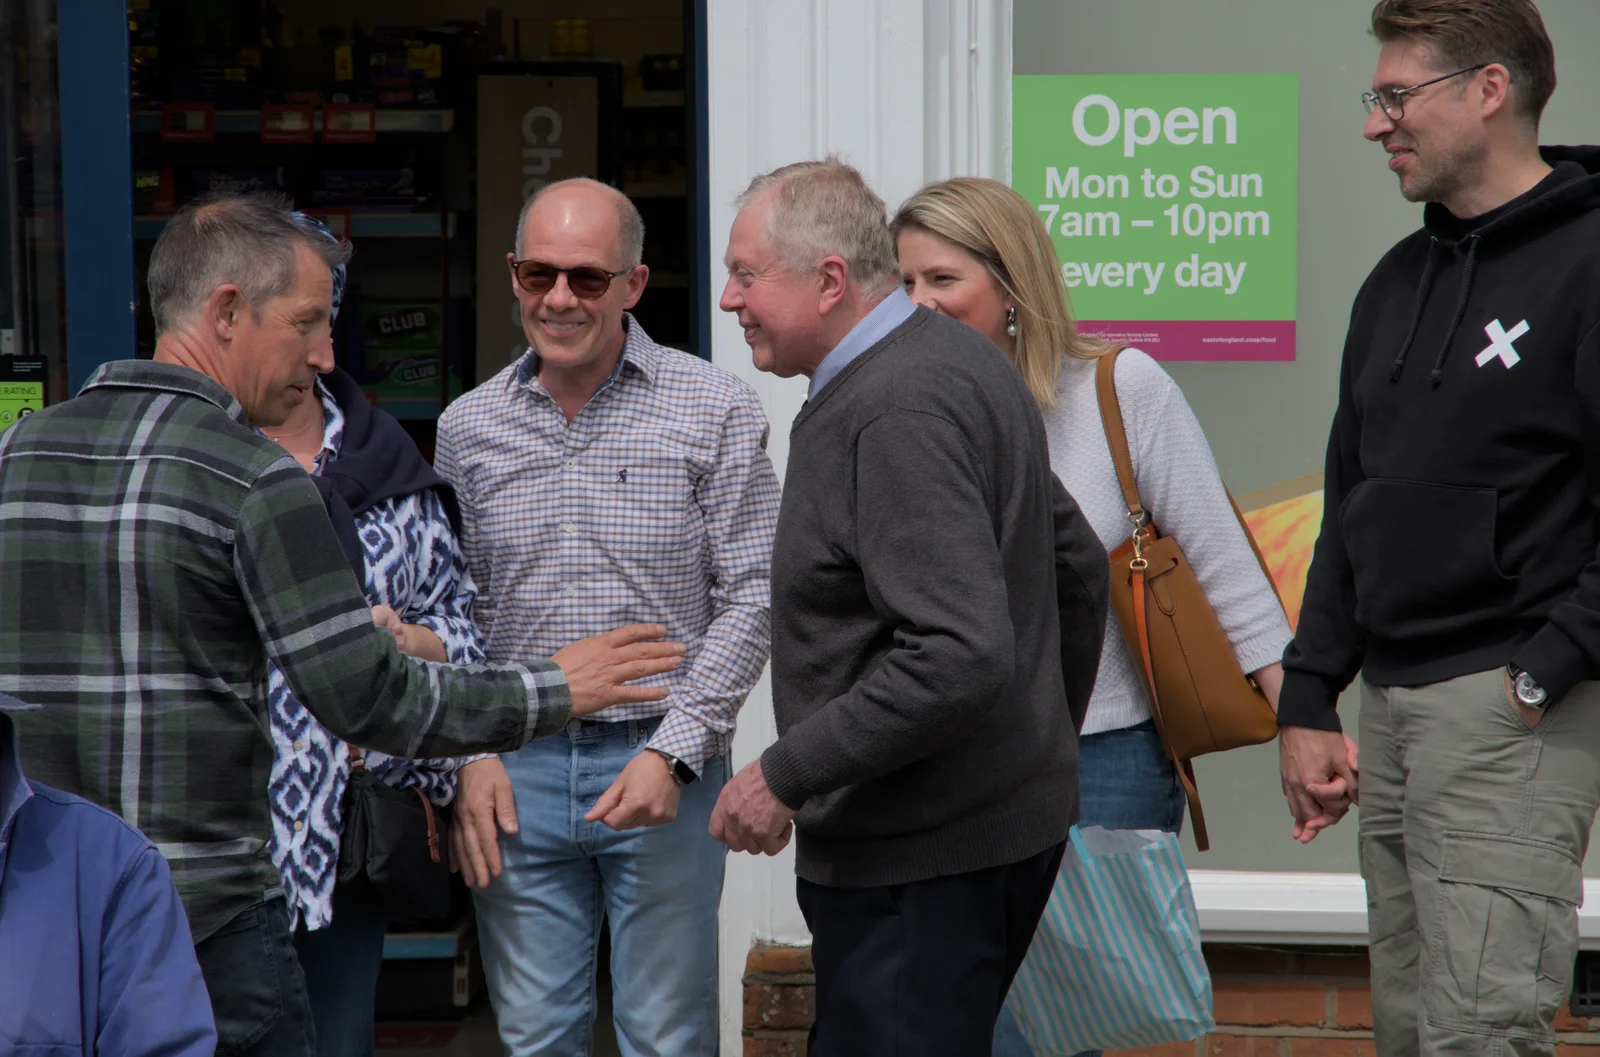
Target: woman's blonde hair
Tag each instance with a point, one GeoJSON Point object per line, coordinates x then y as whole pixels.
{"type": "Point", "coordinates": [997, 225]}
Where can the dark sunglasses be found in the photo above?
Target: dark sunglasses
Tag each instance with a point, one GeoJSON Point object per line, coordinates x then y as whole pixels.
{"type": "Point", "coordinates": [584, 281]}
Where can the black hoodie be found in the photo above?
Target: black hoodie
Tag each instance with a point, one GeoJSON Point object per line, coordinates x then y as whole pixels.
{"type": "Point", "coordinates": [1463, 474]}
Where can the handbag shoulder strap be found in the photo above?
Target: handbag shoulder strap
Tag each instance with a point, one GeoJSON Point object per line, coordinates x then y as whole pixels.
{"type": "Point", "coordinates": [1105, 387]}
{"type": "Point", "coordinates": [357, 761]}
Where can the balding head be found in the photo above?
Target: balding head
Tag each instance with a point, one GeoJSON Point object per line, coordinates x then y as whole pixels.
{"type": "Point", "coordinates": [568, 205]}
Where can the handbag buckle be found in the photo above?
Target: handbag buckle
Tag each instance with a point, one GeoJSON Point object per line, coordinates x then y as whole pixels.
{"type": "Point", "coordinates": [1139, 562]}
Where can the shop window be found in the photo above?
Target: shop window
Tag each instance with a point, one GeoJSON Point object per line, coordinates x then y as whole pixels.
{"type": "Point", "coordinates": [33, 319]}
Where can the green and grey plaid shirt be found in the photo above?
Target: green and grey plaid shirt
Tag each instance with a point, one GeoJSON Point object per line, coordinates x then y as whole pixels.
{"type": "Point", "coordinates": [154, 553]}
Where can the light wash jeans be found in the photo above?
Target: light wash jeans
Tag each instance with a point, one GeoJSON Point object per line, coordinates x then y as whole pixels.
{"type": "Point", "coordinates": [1125, 781]}
{"type": "Point", "coordinates": [659, 887]}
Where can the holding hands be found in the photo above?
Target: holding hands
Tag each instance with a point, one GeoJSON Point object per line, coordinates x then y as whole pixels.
{"type": "Point", "coordinates": [1320, 770]}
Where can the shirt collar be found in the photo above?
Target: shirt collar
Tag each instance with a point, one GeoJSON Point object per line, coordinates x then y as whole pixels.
{"type": "Point", "coordinates": [14, 788]}
{"type": "Point", "coordinates": [873, 328]}
{"type": "Point", "coordinates": [166, 377]}
{"type": "Point", "coordinates": [638, 351]}
{"type": "Point", "coordinates": [332, 426]}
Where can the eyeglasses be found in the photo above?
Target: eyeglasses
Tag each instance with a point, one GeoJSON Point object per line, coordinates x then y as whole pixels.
{"type": "Point", "coordinates": [584, 281]}
{"type": "Point", "coordinates": [1393, 100]}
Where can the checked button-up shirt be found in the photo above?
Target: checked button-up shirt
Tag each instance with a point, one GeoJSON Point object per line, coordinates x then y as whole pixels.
{"type": "Point", "coordinates": [657, 503]}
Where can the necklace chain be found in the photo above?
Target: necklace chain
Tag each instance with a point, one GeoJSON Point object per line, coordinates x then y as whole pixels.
{"type": "Point", "coordinates": [293, 433]}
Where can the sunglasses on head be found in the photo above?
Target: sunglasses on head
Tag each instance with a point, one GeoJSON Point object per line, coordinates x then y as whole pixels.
{"type": "Point", "coordinates": [585, 281]}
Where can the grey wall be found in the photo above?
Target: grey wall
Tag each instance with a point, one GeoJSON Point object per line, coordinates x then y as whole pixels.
{"type": "Point", "coordinates": [1268, 422]}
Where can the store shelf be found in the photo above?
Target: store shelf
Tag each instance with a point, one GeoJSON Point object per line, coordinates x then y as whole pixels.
{"type": "Point", "coordinates": [362, 226]}
{"type": "Point", "coordinates": [409, 946]}
{"type": "Point", "coordinates": [647, 100]}
{"type": "Point", "coordinates": [249, 121]}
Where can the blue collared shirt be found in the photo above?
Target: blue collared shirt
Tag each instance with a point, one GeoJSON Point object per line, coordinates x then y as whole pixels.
{"type": "Point", "coordinates": [95, 952]}
{"type": "Point", "coordinates": [873, 328]}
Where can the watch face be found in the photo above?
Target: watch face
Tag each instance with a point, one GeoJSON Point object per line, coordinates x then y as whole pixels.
{"type": "Point", "coordinates": [1528, 691]}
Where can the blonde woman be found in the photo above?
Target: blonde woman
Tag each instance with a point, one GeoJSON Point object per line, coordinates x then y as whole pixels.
{"type": "Point", "coordinates": [974, 249]}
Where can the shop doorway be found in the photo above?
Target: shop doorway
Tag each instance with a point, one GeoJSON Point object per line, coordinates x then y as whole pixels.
{"type": "Point", "coordinates": [416, 129]}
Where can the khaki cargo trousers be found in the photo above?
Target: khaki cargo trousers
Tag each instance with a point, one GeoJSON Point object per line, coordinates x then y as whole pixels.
{"type": "Point", "coordinates": [1473, 831]}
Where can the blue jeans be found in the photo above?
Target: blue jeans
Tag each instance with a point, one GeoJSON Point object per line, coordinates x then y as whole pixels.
{"type": "Point", "coordinates": [659, 887]}
{"type": "Point", "coordinates": [341, 965]}
{"type": "Point", "coordinates": [1125, 781]}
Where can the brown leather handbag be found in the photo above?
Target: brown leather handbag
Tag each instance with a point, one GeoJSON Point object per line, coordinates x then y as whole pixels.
{"type": "Point", "coordinates": [1200, 699]}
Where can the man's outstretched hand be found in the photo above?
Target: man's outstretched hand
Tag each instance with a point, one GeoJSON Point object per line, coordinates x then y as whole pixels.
{"type": "Point", "coordinates": [1320, 770]}
{"type": "Point", "coordinates": [598, 668]}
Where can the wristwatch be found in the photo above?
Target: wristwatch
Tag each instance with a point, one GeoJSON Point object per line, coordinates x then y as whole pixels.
{"type": "Point", "coordinates": [682, 773]}
{"type": "Point", "coordinates": [1527, 689]}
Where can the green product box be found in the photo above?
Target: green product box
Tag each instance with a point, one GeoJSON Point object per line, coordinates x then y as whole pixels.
{"type": "Point", "coordinates": [401, 344]}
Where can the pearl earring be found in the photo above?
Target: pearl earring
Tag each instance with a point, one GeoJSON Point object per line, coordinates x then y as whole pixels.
{"type": "Point", "coordinates": [1011, 321]}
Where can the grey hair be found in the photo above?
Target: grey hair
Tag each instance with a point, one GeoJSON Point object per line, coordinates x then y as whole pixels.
{"type": "Point", "coordinates": [824, 209]}
{"type": "Point", "coordinates": [630, 225]}
{"type": "Point", "coordinates": [247, 240]}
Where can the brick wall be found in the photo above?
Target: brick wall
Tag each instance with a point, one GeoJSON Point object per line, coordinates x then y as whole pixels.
{"type": "Point", "coordinates": [1269, 1002]}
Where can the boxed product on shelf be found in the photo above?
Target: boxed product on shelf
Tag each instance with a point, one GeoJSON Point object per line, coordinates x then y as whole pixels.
{"type": "Point", "coordinates": [203, 181]}
{"type": "Point", "coordinates": [155, 191]}
{"type": "Point", "coordinates": [392, 349]}
{"type": "Point", "coordinates": [399, 66]}
{"type": "Point", "coordinates": [369, 190]}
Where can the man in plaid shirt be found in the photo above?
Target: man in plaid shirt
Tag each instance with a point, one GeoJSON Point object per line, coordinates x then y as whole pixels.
{"type": "Point", "coordinates": [604, 478]}
{"type": "Point", "coordinates": [155, 552]}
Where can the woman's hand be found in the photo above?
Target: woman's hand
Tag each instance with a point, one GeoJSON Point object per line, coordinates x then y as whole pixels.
{"type": "Point", "coordinates": [413, 640]}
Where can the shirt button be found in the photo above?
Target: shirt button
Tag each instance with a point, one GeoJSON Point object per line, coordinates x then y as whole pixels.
{"type": "Point", "coordinates": [572, 464]}
{"type": "Point", "coordinates": [571, 591]}
{"type": "Point", "coordinates": [299, 825]}
{"type": "Point", "coordinates": [300, 746]}
{"type": "Point", "coordinates": [569, 527]}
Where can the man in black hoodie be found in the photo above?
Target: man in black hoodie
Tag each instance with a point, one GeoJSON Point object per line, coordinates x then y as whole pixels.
{"type": "Point", "coordinates": [1457, 569]}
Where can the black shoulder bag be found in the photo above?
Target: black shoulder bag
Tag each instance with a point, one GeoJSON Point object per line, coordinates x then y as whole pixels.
{"type": "Point", "coordinates": [393, 846]}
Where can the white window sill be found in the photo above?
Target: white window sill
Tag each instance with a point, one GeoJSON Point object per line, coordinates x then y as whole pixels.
{"type": "Point", "coordinates": [1312, 908]}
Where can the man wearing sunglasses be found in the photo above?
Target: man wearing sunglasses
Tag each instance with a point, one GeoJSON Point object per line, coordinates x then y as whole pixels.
{"type": "Point", "coordinates": [1457, 569]}
{"type": "Point", "coordinates": [602, 475]}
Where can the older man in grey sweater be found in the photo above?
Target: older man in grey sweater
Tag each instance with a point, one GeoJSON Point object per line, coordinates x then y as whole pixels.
{"type": "Point", "coordinates": [938, 609]}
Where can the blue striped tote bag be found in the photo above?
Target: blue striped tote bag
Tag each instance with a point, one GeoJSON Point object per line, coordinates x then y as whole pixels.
{"type": "Point", "coordinates": [1116, 960]}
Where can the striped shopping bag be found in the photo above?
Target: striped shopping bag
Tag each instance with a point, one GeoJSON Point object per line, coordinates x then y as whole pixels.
{"type": "Point", "coordinates": [1116, 960]}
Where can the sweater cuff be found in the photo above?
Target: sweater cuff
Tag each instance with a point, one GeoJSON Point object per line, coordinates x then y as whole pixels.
{"type": "Point", "coordinates": [1554, 661]}
{"type": "Point", "coordinates": [784, 776]}
{"type": "Point", "coordinates": [1266, 648]}
{"type": "Point", "coordinates": [1307, 701]}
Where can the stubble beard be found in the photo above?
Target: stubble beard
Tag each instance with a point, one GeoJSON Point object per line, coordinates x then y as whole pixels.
{"type": "Point", "coordinates": [1445, 176]}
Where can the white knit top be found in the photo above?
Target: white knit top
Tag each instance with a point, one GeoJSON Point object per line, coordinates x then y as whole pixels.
{"type": "Point", "coordinates": [1180, 487]}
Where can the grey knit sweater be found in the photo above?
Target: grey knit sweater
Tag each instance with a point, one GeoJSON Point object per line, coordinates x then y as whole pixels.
{"type": "Point", "coordinates": [938, 609]}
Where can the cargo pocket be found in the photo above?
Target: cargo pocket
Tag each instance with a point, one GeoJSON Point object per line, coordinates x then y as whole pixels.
{"type": "Point", "coordinates": [1423, 558]}
{"type": "Point", "coordinates": [1506, 934]}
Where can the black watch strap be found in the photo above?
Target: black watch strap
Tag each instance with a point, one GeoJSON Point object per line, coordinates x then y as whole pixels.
{"type": "Point", "coordinates": [682, 773]}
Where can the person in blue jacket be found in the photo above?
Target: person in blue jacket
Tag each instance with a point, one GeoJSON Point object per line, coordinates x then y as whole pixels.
{"type": "Point", "coordinates": [95, 952]}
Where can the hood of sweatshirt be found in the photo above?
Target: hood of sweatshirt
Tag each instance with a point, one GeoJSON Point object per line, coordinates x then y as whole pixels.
{"type": "Point", "coordinates": [1573, 187]}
